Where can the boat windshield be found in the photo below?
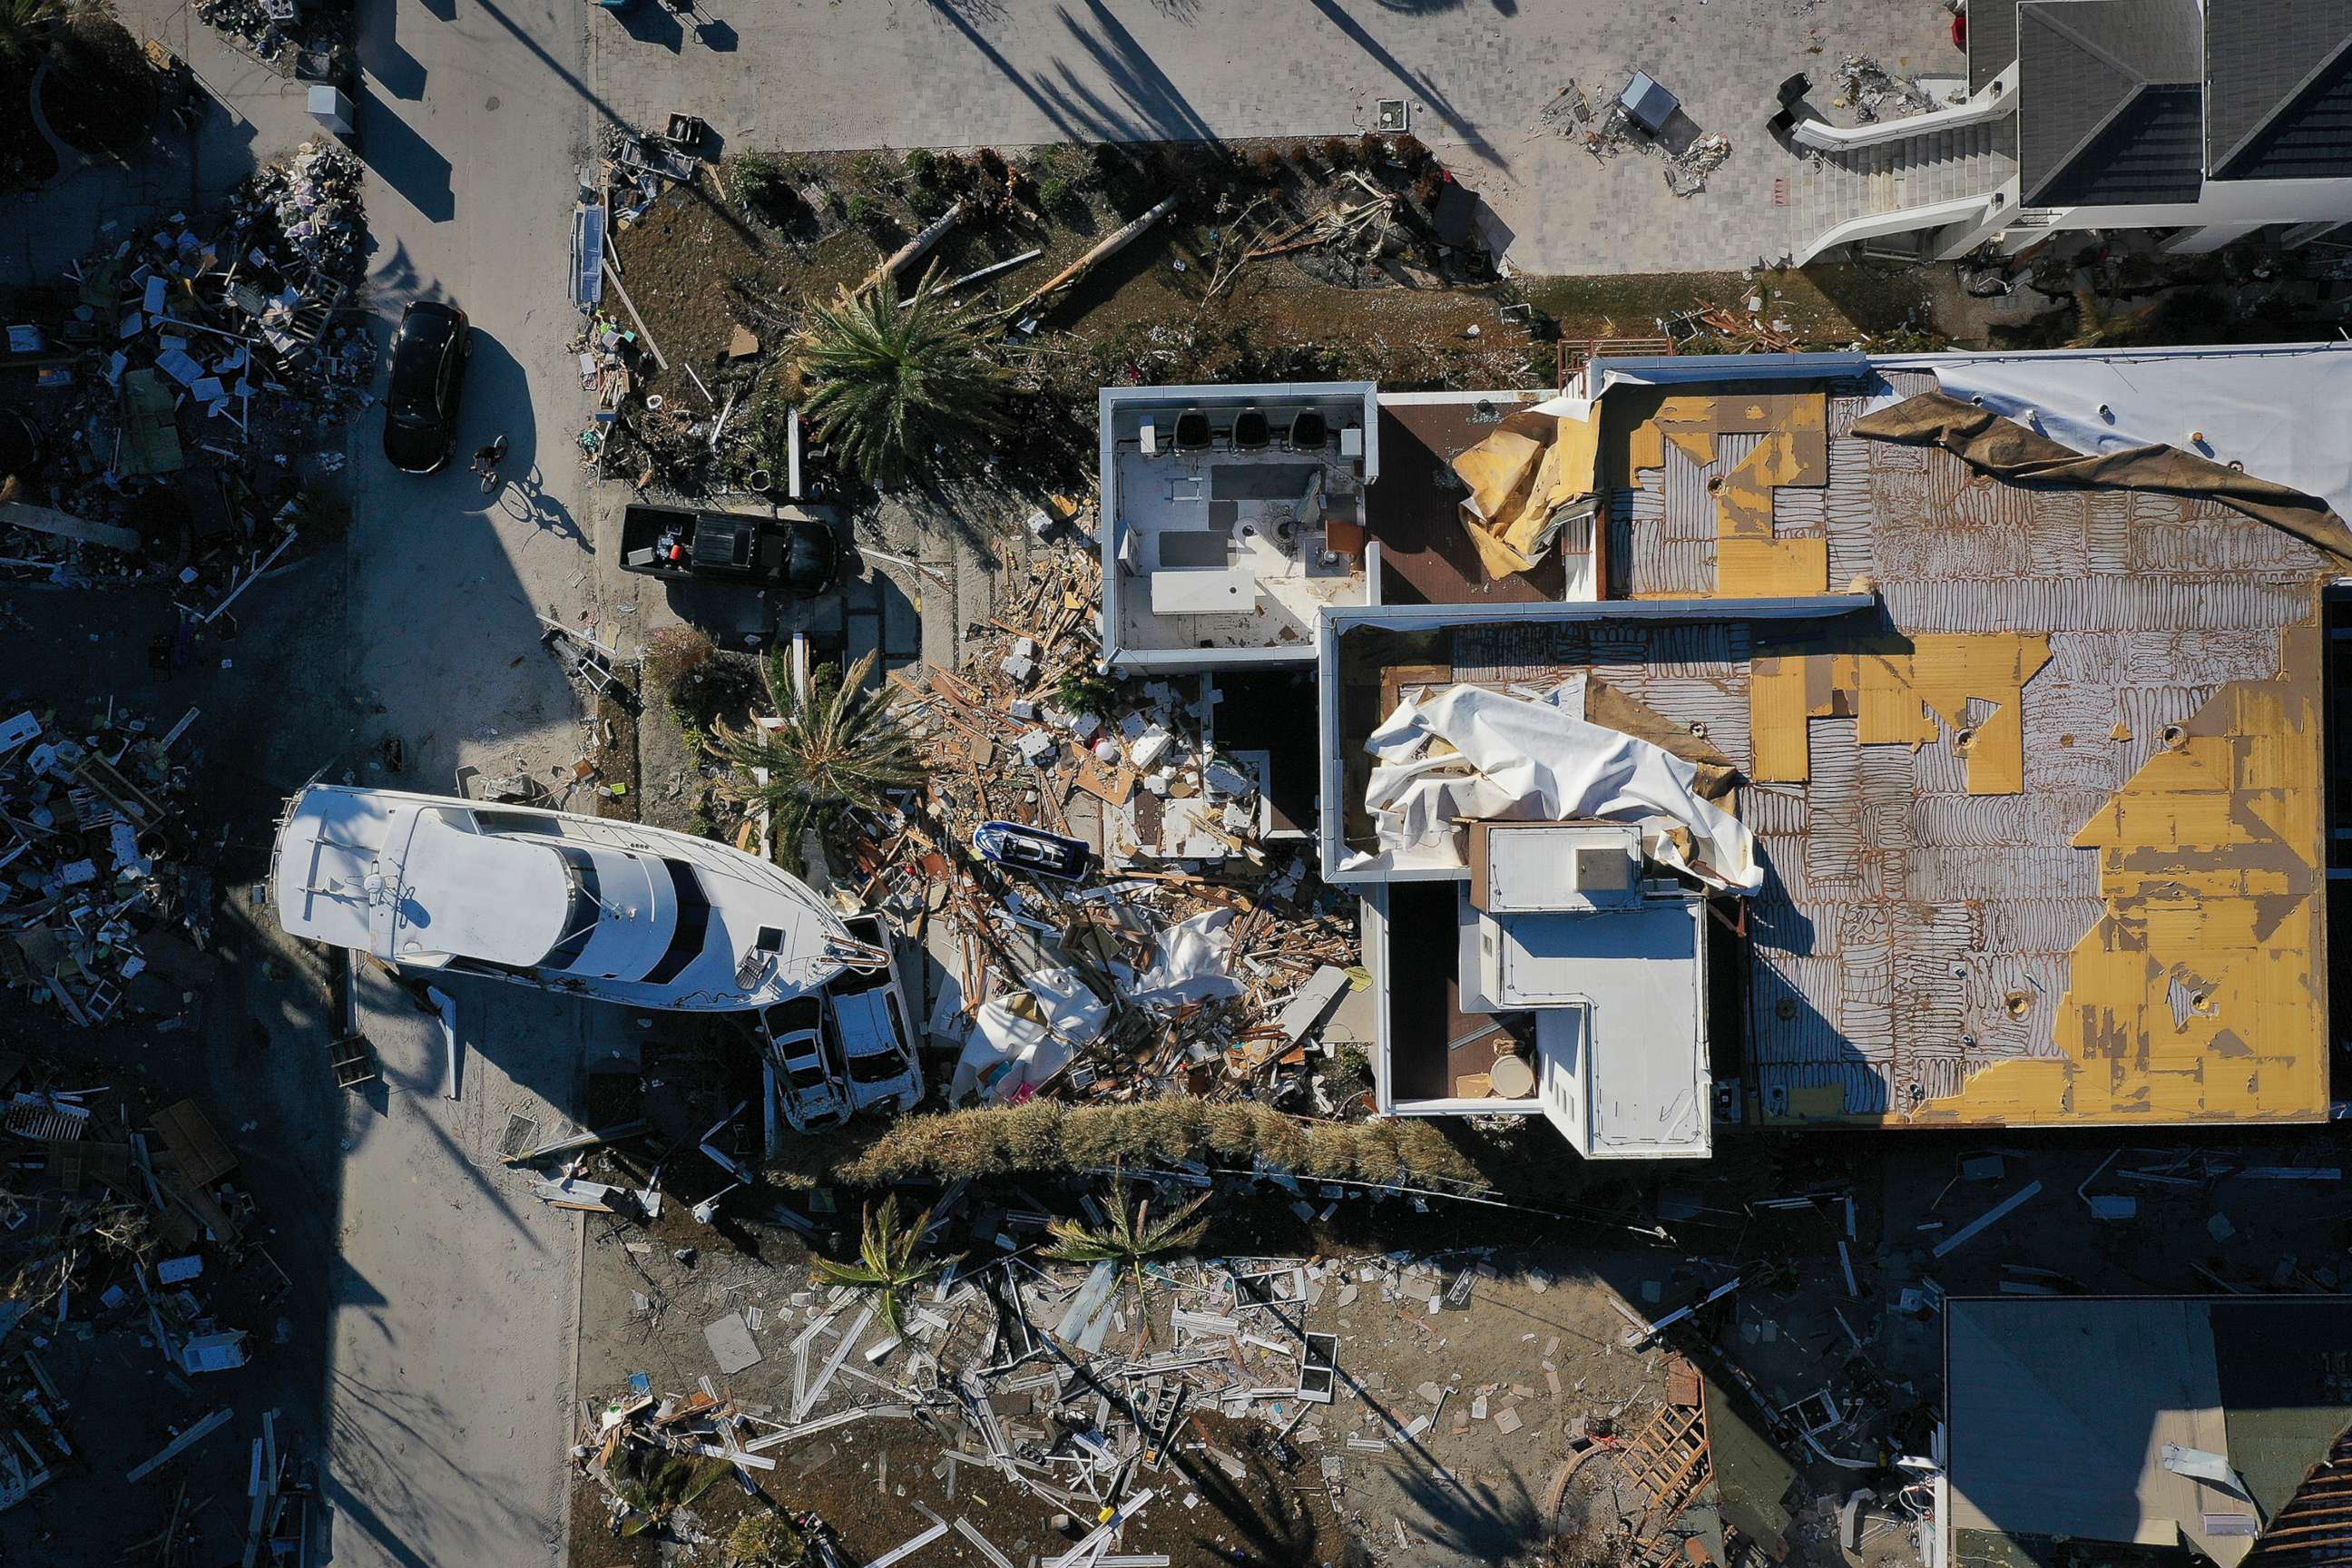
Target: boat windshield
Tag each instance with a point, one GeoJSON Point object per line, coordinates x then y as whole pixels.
{"type": "Point", "coordinates": [581, 910]}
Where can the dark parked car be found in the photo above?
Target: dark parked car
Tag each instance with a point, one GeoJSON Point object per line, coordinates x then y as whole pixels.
{"type": "Point", "coordinates": [797, 550]}
{"type": "Point", "coordinates": [428, 371]}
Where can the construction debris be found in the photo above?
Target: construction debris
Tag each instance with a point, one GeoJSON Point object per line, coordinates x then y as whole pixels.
{"type": "Point", "coordinates": [1686, 171]}
{"type": "Point", "coordinates": [1174, 969]}
{"type": "Point", "coordinates": [92, 858]}
{"type": "Point", "coordinates": [1875, 93]}
{"type": "Point", "coordinates": [199, 359]}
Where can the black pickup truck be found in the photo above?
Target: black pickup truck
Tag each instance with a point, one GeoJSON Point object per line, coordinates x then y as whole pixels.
{"type": "Point", "coordinates": [798, 551]}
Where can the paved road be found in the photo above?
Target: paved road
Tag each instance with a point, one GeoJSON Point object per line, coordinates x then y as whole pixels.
{"type": "Point", "coordinates": [449, 1379]}
{"type": "Point", "coordinates": [449, 1375]}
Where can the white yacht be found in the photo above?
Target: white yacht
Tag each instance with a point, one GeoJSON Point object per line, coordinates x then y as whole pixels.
{"type": "Point", "coordinates": [614, 910]}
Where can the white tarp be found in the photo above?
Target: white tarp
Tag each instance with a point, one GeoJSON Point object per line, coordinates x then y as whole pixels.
{"type": "Point", "coordinates": [1191, 965]}
{"type": "Point", "coordinates": [1026, 1037]}
{"type": "Point", "coordinates": [2284, 412]}
{"type": "Point", "coordinates": [1466, 752]}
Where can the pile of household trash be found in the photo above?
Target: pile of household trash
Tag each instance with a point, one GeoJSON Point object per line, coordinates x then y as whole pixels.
{"type": "Point", "coordinates": [93, 859]}
{"type": "Point", "coordinates": [188, 389]}
{"type": "Point", "coordinates": [311, 39]}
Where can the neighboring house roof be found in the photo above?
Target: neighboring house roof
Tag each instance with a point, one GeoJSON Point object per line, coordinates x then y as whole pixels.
{"type": "Point", "coordinates": [2278, 102]}
{"type": "Point", "coordinates": [2060, 1411]}
{"type": "Point", "coordinates": [1993, 40]}
{"type": "Point", "coordinates": [2111, 110]}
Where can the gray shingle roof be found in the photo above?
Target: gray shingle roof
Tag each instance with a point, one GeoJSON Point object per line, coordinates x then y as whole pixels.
{"type": "Point", "coordinates": [2279, 89]}
{"type": "Point", "coordinates": [2110, 106]}
{"type": "Point", "coordinates": [1992, 39]}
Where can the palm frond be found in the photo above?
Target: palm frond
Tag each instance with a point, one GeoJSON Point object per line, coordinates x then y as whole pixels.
{"type": "Point", "coordinates": [28, 25]}
{"type": "Point", "coordinates": [890, 381]}
{"type": "Point", "coordinates": [886, 1264]}
{"type": "Point", "coordinates": [840, 748]}
{"type": "Point", "coordinates": [1131, 1235]}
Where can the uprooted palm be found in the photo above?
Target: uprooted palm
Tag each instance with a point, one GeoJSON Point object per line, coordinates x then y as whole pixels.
{"type": "Point", "coordinates": [886, 1263]}
{"type": "Point", "coordinates": [838, 748]}
{"type": "Point", "coordinates": [1130, 1235]}
{"type": "Point", "coordinates": [891, 381]}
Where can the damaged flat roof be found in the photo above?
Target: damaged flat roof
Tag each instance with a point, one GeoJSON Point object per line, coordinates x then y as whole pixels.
{"type": "Point", "coordinates": [2045, 828]}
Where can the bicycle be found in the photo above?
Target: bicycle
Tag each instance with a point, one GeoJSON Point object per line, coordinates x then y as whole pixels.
{"type": "Point", "coordinates": [485, 463]}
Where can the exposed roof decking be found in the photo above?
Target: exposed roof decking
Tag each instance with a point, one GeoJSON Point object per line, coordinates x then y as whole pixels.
{"type": "Point", "coordinates": [1991, 929]}
{"type": "Point", "coordinates": [1425, 552]}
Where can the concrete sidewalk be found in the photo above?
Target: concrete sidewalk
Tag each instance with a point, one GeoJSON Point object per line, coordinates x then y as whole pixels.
{"type": "Point", "coordinates": [805, 75]}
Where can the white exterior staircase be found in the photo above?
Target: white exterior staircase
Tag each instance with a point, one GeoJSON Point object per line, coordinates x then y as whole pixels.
{"type": "Point", "coordinates": [1932, 177]}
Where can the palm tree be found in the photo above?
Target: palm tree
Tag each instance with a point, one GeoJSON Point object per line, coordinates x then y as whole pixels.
{"type": "Point", "coordinates": [25, 26]}
{"type": "Point", "coordinates": [839, 747]}
{"type": "Point", "coordinates": [892, 381]}
{"type": "Point", "coordinates": [1131, 1235]}
{"type": "Point", "coordinates": [2101, 322]}
{"type": "Point", "coordinates": [886, 1259]}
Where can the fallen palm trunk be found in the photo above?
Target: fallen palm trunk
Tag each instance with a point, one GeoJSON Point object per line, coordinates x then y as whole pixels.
{"type": "Point", "coordinates": [915, 248]}
{"type": "Point", "coordinates": [1111, 245]}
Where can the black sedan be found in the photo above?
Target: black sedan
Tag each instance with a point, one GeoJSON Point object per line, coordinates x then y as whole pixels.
{"type": "Point", "coordinates": [428, 373]}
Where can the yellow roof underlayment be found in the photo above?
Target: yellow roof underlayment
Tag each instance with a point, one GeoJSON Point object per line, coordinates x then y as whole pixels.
{"type": "Point", "coordinates": [2197, 996]}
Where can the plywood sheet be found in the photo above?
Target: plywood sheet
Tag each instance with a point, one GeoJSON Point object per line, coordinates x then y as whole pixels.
{"type": "Point", "coordinates": [1771, 568]}
{"type": "Point", "coordinates": [1778, 715]}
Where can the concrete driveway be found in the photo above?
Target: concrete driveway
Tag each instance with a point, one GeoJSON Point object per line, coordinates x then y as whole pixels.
{"type": "Point", "coordinates": [807, 75]}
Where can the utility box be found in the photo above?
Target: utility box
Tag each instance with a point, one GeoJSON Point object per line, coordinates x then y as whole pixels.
{"type": "Point", "coordinates": [332, 109]}
{"type": "Point", "coordinates": [1534, 867]}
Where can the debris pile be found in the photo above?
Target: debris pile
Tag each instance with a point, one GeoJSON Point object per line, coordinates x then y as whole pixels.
{"type": "Point", "coordinates": [1202, 954]}
{"type": "Point", "coordinates": [1687, 171]}
{"type": "Point", "coordinates": [92, 855]}
{"type": "Point", "coordinates": [1873, 92]}
{"type": "Point", "coordinates": [1097, 1400]}
{"type": "Point", "coordinates": [309, 39]}
{"type": "Point", "coordinates": [1709, 328]}
{"type": "Point", "coordinates": [191, 364]}
{"type": "Point", "coordinates": [315, 200]}
{"type": "Point", "coordinates": [645, 167]}
{"type": "Point", "coordinates": [127, 1236]}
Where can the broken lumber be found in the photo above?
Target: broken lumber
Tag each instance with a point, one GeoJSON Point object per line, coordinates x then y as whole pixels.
{"type": "Point", "coordinates": [909, 1548]}
{"type": "Point", "coordinates": [613, 275]}
{"type": "Point", "coordinates": [65, 525]}
{"type": "Point", "coordinates": [576, 1141]}
{"type": "Point", "coordinates": [182, 1443]}
{"type": "Point", "coordinates": [1999, 1211]}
